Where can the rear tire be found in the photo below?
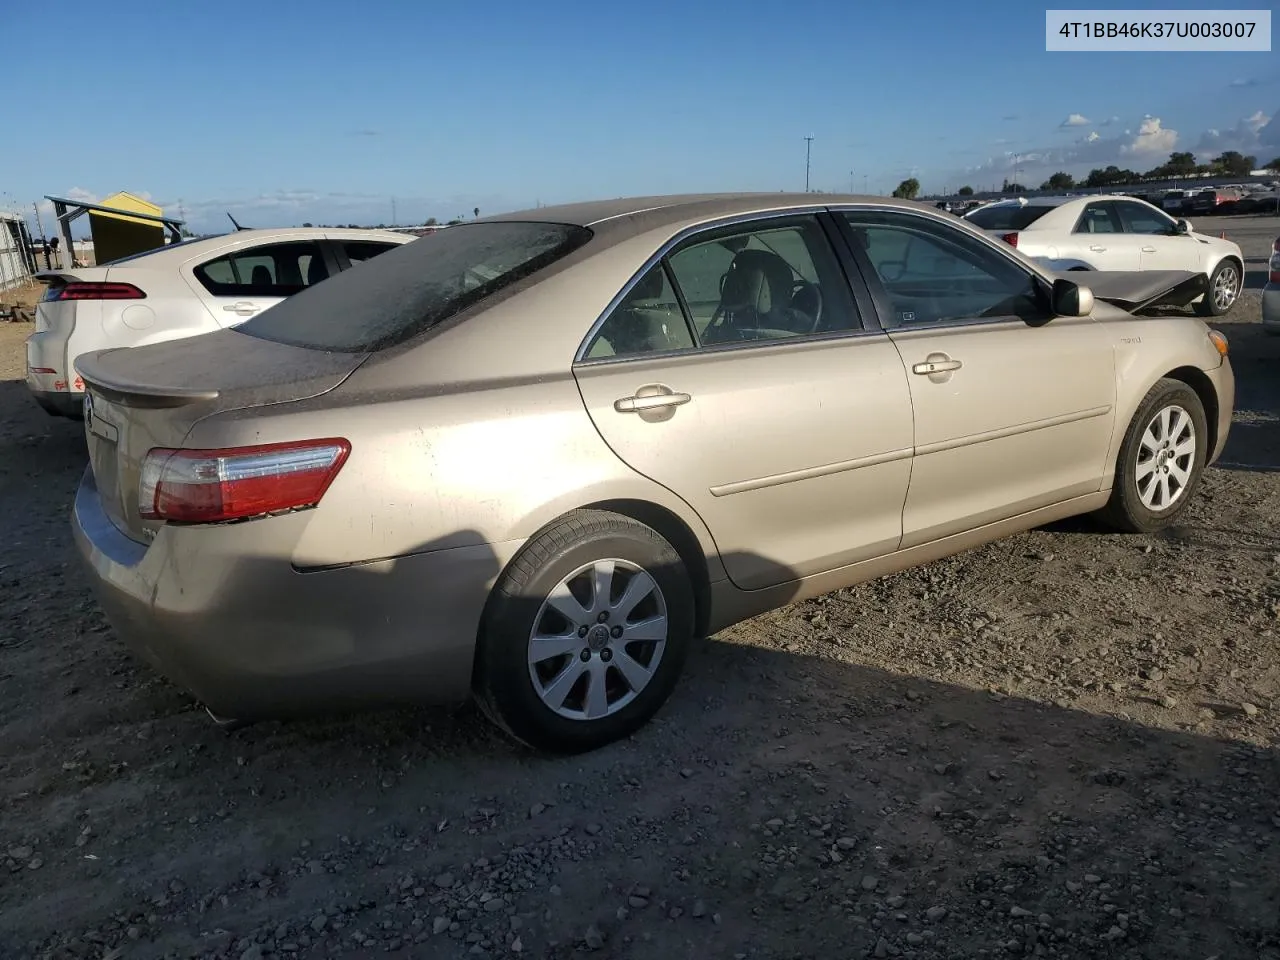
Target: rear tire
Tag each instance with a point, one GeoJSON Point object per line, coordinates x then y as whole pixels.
{"type": "Point", "coordinates": [585, 633]}
{"type": "Point", "coordinates": [1161, 460]}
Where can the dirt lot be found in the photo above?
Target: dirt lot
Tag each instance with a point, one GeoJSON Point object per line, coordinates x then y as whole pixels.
{"type": "Point", "coordinates": [1062, 745]}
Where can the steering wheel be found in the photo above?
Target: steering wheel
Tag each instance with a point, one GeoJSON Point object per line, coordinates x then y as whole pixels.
{"type": "Point", "coordinates": [807, 298]}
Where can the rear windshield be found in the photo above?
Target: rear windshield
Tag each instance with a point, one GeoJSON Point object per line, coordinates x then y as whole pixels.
{"type": "Point", "coordinates": [1006, 218]}
{"type": "Point", "coordinates": [415, 286]}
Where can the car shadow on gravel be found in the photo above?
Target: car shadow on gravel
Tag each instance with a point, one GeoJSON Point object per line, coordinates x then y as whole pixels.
{"type": "Point", "coordinates": [783, 803]}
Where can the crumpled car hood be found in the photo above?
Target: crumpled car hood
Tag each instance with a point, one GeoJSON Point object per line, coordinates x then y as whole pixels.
{"type": "Point", "coordinates": [1140, 290]}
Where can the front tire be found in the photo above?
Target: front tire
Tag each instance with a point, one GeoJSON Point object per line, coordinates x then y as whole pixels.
{"type": "Point", "coordinates": [585, 633]}
{"type": "Point", "coordinates": [1223, 292]}
{"type": "Point", "coordinates": [1161, 460]}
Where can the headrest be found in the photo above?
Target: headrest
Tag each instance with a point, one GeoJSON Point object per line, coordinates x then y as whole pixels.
{"type": "Point", "coordinates": [261, 276]}
{"type": "Point", "coordinates": [316, 271]}
{"type": "Point", "coordinates": [759, 279]}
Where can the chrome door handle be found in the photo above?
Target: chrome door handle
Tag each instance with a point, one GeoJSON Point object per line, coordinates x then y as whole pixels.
{"type": "Point", "coordinates": [1097, 249]}
{"type": "Point", "coordinates": [242, 308]}
{"type": "Point", "coordinates": [1148, 249]}
{"type": "Point", "coordinates": [656, 400]}
{"type": "Point", "coordinates": [936, 366]}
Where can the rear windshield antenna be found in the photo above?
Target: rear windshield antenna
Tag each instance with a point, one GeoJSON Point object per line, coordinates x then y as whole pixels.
{"type": "Point", "coordinates": [233, 222]}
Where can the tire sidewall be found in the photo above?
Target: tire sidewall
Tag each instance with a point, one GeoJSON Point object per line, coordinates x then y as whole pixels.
{"type": "Point", "coordinates": [509, 620]}
{"type": "Point", "coordinates": [1143, 518]}
{"type": "Point", "coordinates": [1208, 307]}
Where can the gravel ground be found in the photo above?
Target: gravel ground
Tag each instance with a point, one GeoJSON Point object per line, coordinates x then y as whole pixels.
{"type": "Point", "coordinates": [1061, 745]}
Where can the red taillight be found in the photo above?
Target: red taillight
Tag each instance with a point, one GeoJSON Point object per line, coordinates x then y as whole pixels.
{"type": "Point", "coordinates": [95, 291]}
{"type": "Point", "coordinates": [1274, 275]}
{"type": "Point", "coordinates": [210, 486]}
{"type": "Point", "coordinates": [1011, 239]}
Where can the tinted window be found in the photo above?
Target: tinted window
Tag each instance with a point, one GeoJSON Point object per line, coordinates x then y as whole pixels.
{"type": "Point", "coordinates": [410, 289]}
{"type": "Point", "coordinates": [272, 270]}
{"type": "Point", "coordinates": [648, 320]}
{"type": "Point", "coordinates": [932, 273]}
{"type": "Point", "coordinates": [1139, 218]}
{"type": "Point", "coordinates": [773, 280]}
{"type": "Point", "coordinates": [358, 251]}
{"type": "Point", "coordinates": [1099, 218]}
{"type": "Point", "coordinates": [1012, 217]}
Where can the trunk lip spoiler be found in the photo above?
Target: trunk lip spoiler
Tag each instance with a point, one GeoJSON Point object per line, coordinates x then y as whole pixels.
{"type": "Point", "coordinates": [124, 390]}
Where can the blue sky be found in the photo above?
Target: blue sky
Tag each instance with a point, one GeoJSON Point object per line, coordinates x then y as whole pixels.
{"type": "Point", "coordinates": [286, 111]}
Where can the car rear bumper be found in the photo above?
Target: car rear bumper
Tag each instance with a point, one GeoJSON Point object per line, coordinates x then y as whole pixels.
{"type": "Point", "coordinates": [58, 390]}
{"type": "Point", "coordinates": [1271, 308]}
{"type": "Point", "coordinates": [228, 618]}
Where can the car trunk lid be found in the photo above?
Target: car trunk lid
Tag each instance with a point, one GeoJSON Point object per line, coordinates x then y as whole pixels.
{"type": "Point", "coordinates": [146, 397]}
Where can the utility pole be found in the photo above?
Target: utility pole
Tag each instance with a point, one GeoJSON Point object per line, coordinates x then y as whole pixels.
{"type": "Point", "coordinates": [808, 145]}
{"type": "Point", "coordinates": [851, 190]}
{"type": "Point", "coordinates": [393, 211]}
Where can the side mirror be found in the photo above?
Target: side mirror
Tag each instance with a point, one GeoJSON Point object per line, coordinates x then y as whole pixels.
{"type": "Point", "coordinates": [1071, 299]}
{"type": "Point", "coordinates": [1183, 228]}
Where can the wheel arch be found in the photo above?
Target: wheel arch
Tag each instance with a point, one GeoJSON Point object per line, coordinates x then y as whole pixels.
{"type": "Point", "coordinates": [680, 535]}
{"type": "Point", "coordinates": [1198, 381]}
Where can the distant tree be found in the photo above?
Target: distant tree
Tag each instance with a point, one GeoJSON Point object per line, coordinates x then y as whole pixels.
{"type": "Point", "coordinates": [1273, 166]}
{"type": "Point", "coordinates": [965, 191]}
{"type": "Point", "coordinates": [1059, 181]}
{"type": "Point", "coordinates": [454, 222]}
{"type": "Point", "coordinates": [476, 211]}
{"type": "Point", "coordinates": [908, 189]}
{"type": "Point", "coordinates": [1111, 176]}
{"type": "Point", "coordinates": [1011, 186]}
{"type": "Point", "coordinates": [306, 225]}
{"type": "Point", "coordinates": [381, 226]}
{"type": "Point", "coordinates": [1181, 164]}
{"type": "Point", "coordinates": [1231, 163]}
{"type": "Point", "coordinates": [432, 221]}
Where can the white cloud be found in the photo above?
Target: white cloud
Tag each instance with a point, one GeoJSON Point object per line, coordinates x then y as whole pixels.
{"type": "Point", "coordinates": [1252, 135]}
{"type": "Point", "coordinates": [1243, 82]}
{"type": "Point", "coordinates": [1092, 137]}
{"type": "Point", "coordinates": [1152, 138]}
{"type": "Point", "coordinates": [1075, 120]}
{"type": "Point", "coordinates": [1109, 121]}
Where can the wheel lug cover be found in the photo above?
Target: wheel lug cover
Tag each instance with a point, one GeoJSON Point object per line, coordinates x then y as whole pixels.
{"type": "Point", "coordinates": [606, 654]}
{"type": "Point", "coordinates": [616, 632]}
{"type": "Point", "coordinates": [603, 617]}
{"type": "Point", "coordinates": [586, 654]}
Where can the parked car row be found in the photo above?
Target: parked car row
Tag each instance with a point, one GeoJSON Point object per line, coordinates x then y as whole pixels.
{"type": "Point", "coordinates": [176, 291]}
{"type": "Point", "coordinates": [1115, 233]}
{"type": "Point", "coordinates": [530, 458]}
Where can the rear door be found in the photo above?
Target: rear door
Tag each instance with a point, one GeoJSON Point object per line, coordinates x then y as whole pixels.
{"type": "Point", "coordinates": [737, 373]}
{"type": "Point", "coordinates": [238, 284]}
{"type": "Point", "coordinates": [1099, 239]}
{"type": "Point", "coordinates": [1012, 413]}
{"type": "Point", "coordinates": [1161, 246]}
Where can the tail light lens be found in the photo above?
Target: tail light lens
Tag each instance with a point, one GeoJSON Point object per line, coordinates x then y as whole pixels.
{"type": "Point", "coordinates": [212, 486]}
{"type": "Point", "coordinates": [78, 290]}
{"type": "Point", "coordinates": [1274, 275]}
{"type": "Point", "coordinates": [1011, 239]}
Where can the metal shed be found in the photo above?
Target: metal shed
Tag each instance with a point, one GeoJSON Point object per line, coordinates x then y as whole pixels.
{"type": "Point", "coordinates": [16, 263]}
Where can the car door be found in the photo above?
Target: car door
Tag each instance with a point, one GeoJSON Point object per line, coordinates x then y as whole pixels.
{"type": "Point", "coordinates": [1161, 246]}
{"type": "Point", "coordinates": [242, 282]}
{"type": "Point", "coordinates": [1099, 239]}
{"type": "Point", "coordinates": [736, 372]}
{"type": "Point", "coordinates": [1014, 408]}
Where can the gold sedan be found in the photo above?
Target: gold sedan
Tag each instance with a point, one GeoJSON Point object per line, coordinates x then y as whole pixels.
{"type": "Point", "coordinates": [532, 457]}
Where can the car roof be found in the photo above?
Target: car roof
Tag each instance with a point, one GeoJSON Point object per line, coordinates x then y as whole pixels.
{"type": "Point", "coordinates": [635, 215]}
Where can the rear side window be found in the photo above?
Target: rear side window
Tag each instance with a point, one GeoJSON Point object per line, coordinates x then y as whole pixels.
{"type": "Point", "coordinates": [1100, 218]}
{"type": "Point", "coordinates": [272, 270]}
{"type": "Point", "coordinates": [406, 291]}
{"type": "Point", "coordinates": [1006, 218]}
{"type": "Point", "coordinates": [358, 251]}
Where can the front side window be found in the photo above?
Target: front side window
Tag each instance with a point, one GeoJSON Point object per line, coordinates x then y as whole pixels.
{"type": "Point", "coordinates": [271, 270]}
{"type": "Point", "coordinates": [932, 273]}
{"type": "Point", "coordinates": [406, 291]}
{"type": "Point", "coordinates": [768, 281]}
{"type": "Point", "coordinates": [1099, 218]}
{"type": "Point", "coordinates": [1139, 218]}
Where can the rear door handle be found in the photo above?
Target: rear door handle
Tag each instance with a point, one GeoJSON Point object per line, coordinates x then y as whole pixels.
{"type": "Point", "coordinates": [242, 308]}
{"type": "Point", "coordinates": [1097, 249]}
{"type": "Point", "coordinates": [936, 366]}
{"type": "Point", "coordinates": [652, 397]}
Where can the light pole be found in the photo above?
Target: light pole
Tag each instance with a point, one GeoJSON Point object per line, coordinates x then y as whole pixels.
{"type": "Point", "coordinates": [808, 145]}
